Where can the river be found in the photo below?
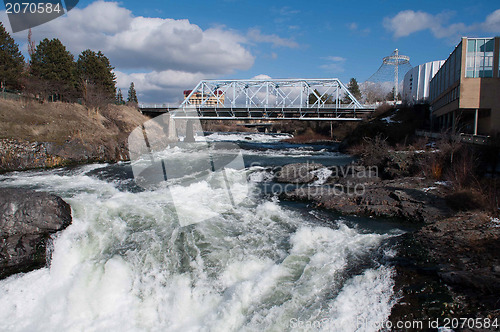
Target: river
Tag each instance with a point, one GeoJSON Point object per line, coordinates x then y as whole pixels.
{"type": "Point", "coordinates": [127, 264]}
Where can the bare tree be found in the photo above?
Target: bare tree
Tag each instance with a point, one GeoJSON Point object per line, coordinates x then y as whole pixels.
{"type": "Point", "coordinates": [94, 96]}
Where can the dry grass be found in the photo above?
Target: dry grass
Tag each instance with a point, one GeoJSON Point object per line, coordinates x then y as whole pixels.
{"type": "Point", "coordinates": [309, 136]}
{"type": "Point", "coordinates": [60, 122]}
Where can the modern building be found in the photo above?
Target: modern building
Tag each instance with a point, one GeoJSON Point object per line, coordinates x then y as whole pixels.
{"type": "Point", "coordinates": [198, 98]}
{"type": "Point", "coordinates": [465, 92]}
{"type": "Point", "coordinates": [417, 81]}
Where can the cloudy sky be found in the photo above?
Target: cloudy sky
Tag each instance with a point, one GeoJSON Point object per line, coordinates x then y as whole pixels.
{"type": "Point", "coordinates": [167, 46]}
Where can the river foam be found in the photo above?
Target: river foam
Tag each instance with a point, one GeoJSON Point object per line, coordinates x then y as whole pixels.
{"type": "Point", "coordinates": [127, 264]}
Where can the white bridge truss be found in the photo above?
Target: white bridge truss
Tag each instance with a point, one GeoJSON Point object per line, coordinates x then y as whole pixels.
{"type": "Point", "coordinates": [276, 99]}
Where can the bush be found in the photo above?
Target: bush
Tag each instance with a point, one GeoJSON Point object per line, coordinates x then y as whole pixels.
{"type": "Point", "coordinates": [466, 200]}
{"type": "Point", "coordinates": [372, 152]}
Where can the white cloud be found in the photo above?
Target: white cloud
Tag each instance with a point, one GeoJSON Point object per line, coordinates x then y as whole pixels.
{"type": "Point", "coordinates": [287, 11]}
{"type": "Point", "coordinates": [159, 86]}
{"type": "Point", "coordinates": [335, 58]}
{"type": "Point", "coordinates": [257, 36]}
{"type": "Point", "coordinates": [261, 77]}
{"type": "Point", "coordinates": [161, 56]}
{"type": "Point", "coordinates": [335, 64]}
{"type": "Point", "coordinates": [492, 23]}
{"type": "Point", "coordinates": [408, 21]}
{"type": "Point", "coordinates": [285, 14]}
{"type": "Point", "coordinates": [148, 43]}
{"type": "Point", "coordinates": [354, 27]}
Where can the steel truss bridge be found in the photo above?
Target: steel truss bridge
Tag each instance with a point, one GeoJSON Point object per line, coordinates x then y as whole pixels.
{"type": "Point", "coordinates": [268, 99]}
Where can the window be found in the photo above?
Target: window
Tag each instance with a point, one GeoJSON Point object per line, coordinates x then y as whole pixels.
{"type": "Point", "coordinates": [452, 68]}
{"type": "Point", "coordinates": [458, 61]}
{"type": "Point", "coordinates": [479, 60]}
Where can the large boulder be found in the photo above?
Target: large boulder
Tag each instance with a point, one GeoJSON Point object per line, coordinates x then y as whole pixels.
{"type": "Point", "coordinates": [412, 199]}
{"type": "Point", "coordinates": [298, 173]}
{"type": "Point", "coordinates": [27, 219]}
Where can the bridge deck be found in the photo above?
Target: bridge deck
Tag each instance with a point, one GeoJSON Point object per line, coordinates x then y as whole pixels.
{"type": "Point", "coordinates": [275, 114]}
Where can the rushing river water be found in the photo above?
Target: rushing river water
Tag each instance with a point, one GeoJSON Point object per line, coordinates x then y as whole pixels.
{"type": "Point", "coordinates": [125, 263]}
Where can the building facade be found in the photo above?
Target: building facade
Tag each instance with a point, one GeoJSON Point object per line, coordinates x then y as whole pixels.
{"type": "Point", "coordinates": [215, 99]}
{"type": "Point", "coordinates": [465, 92]}
{"type": "Point", "coordinates": [417, 82]}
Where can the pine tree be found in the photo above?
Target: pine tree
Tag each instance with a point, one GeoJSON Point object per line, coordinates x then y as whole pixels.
{"type": "Point", "coordinates": [119, 97]}
{"type": "Point", "coordinates": [95, 68]}
{"type": "Point", "coordinates": [353, 88]}
{"type": "Point", "coordinates": [11, 61]}
{"type": "Point", "coordinates": [390, 95]}
{"type": "Point", "coordinates": [132, 95]}
{"type": "Point", "coordinates": [52, 64]}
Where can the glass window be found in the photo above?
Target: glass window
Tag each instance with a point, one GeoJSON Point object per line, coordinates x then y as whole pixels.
{"type": "Point", "coordinates": [452, 68]}
{"type": "Point", "coordinates": [471, 45]}
{"type": "Point", "coordinates": [458, 58]}
{"type": "Point", "coordinates": [479, 61]}
{"type": "Point", "coordinates": [480, 45]}
{"type": "Point", "coordinates": [489, 46]}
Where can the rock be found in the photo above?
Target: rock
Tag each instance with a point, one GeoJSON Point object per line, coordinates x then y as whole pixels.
{"type": "Point", "coordinates": [18, 155]}
{"type": "Point", "coordinates": [298, 173]}
{"type": "Point", "coordinates": [464, 250]}
{"type": "Point", "coordinates": [401, 198]}
{"type": "Point", "coordinates": [27, 219]}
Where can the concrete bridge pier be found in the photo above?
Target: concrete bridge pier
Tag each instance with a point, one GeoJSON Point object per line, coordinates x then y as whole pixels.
{"type": "Point", "coordinates": [171, 130]}
{"type": "Point", "coordinates": [189, 132]}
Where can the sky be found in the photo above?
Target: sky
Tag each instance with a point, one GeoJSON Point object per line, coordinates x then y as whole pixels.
{"type": "Point", "coordinates": [166, 46]}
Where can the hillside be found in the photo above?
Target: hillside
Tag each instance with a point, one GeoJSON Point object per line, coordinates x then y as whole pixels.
{"type": "Point", "coordinates": [34, 135]}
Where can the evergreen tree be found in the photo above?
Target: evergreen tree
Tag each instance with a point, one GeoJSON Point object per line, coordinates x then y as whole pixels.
{"type": "Point", "coordinates": [95, 68]}
{"type": "Point", "coordinates": [119, 97]}
{"type": "Point", "coordinates": [53, 65]}
{"type": "Point", "coordinates": [353, 88]}
{"type": "Point", "coordinates": [390, 95]}
{"type": "Point", "coordinates": [132, 95]}
{"type": "Point", "coordinates": [11, 61]}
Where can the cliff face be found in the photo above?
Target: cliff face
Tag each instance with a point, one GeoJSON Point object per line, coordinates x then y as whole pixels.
{"type": "Point", "coordinates": [18, 155]}
{"type": "Point", "coordinates": [49, 135]}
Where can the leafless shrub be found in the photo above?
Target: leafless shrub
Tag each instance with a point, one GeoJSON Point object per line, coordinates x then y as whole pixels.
{"type": "Point", "coordinates": [462, 170]}
{"type": "Point", "coordinates": [420, 144]}
{"type": "Point", "coordinates": [467, 200]}
{"type": "Point", "coordinates": [372, 152]}
{"type": "Point", "coordinates": [382, 109]}
{"type": "Point", "coordinates": [307, 137]}
{"type": "Point", "coordinates": [94, 96]}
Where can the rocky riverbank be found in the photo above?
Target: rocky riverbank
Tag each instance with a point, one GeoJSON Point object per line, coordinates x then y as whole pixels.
{"type": "Point", "coordinates": [34, 135]}
{"type": "Point", "coordinates": [27, 221]}
{"type": "Point", "coordinates": [19, 155]}
{"type": "Point", "coordinates": [449, 267]}
{"type": "Point", "coordinates": [357, 190]}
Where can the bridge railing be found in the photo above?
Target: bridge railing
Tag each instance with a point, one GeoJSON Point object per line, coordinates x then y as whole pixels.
{"type": "Point", "coordinates": [270, 93]}
{"type": "Point", "coordinates": [159, 106]}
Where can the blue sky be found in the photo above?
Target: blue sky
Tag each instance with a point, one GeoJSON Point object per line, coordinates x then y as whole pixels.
{"type": "Point", "coordinates": [168, 46]}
